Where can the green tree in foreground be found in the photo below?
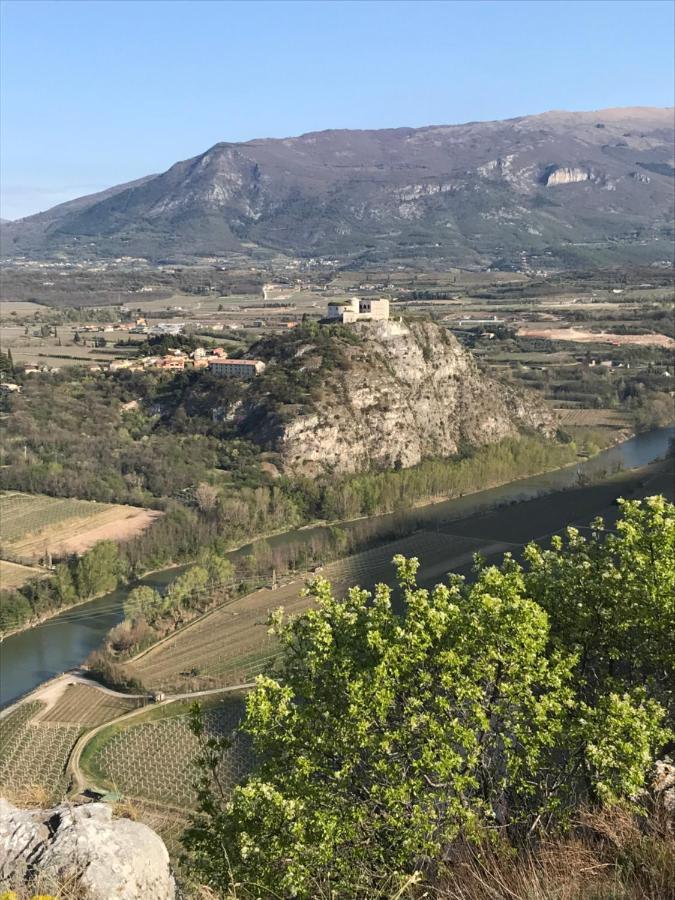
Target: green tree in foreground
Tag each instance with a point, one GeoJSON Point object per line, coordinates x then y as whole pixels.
{"type": "Point", "coordinates": [383, 738]}
{"type": "Point", "coordinates": [611, 599]}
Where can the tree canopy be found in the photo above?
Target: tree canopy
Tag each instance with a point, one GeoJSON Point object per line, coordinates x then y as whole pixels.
{"type": "Point", "coordinates": [500, 703]}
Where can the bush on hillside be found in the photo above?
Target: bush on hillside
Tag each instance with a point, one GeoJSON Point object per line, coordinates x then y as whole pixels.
{"type": "Point", "coordinates": [490, 708]}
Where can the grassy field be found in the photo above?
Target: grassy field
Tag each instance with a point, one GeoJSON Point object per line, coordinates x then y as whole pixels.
{"type": "Point", "coordinates": [231, 645]}
{"type": "Point", "coordinates": [33, 525]}
{"type": "Point", "coordinates": [16, 308]}
{"type": "Point", "coordinates": [150, 758]}
{"type": "Point", "coordinates": [12, 575]}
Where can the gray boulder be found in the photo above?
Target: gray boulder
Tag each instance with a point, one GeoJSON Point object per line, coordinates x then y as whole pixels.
{"type": "Point", "coordinates": [107, 858]}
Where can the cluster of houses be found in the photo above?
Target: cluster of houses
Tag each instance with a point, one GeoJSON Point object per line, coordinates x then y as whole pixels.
{"type": "Point", "coordinates": [140, 326]}
{"type": "Point", "coordinates": [216, 362]}
{"type": "Point", "coordinates": [356, 309]}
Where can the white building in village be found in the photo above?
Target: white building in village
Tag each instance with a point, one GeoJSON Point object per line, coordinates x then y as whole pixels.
{"type": "Point", "coordinates": [236, 368]}
{"type": "Point", "coordinates": [358, 310]}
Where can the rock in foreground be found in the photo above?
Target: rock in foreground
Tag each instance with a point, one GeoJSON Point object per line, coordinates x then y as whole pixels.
{"type": "Point", "coordinates": [105, 857]}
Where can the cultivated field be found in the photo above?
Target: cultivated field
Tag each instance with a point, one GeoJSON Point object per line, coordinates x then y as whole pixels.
{"type": "Point", "coordinates": [61, 350]}
{"type": "Point", "coordinates": [34, 525]}
{"type": "Point", "coordinates": [151, 757]}
{"type": "Point", "coordinates": [82, 705]}
{"type": "Point", "coordinates": [20, 308]}
{"type": "Point", "coordinates": [34, 754]}
{"type": "Point", "coordinates": [12, 575]}
{"type": "Point", "coordinates": [230, 645]}
{"type": "Point", "coordinates": [592, 418]}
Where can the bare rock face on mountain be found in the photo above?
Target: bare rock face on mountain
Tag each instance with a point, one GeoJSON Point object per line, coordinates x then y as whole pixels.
{"type": "Point", "coordinates": [563, 188]}
{"type": "Point", "coordinates": [83, 846]}
{"type": "Point", "coordinates": [405, 392]}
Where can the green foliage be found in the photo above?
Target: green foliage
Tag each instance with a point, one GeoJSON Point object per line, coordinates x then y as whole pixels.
{"type": "Point", "coordinates": [99, 570]}
{"type": "Point", "coordinates": [220, 570]}
{"type": "Point", "coordinates": [143, 602]}
{"type": "Point", "coordinates": [64, 587]}
{"type": "Point", "coordinates": [380, 492]}
{"type": "Point", "coordinates": [6, 364]}
{"type": "Point", "coordinates": [619, 736]}
{"type": "Point", "coordinates": [611, 598]}
{"type": "Point", "coordinates": [15, 610]}
{"type": "Point", "coordinates": [656, 410]}
{"type": "Point", "coordinates": [188, 589]}
{"type": "Point", "coordinates": [380, 738]}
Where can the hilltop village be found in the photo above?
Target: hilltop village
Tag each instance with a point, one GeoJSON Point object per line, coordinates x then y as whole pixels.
{"type": "Point", "coordinates": [213, 359]}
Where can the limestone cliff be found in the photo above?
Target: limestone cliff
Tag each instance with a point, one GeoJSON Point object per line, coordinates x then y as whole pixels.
{"type": "Point", "coordinates": [399, 392]}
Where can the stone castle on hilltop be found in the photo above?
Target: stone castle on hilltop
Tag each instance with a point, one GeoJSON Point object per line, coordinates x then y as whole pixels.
{"type": "Point", "coordinates": [358, 310]}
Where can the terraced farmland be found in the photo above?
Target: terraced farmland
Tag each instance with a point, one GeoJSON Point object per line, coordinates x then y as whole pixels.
{"type": "Point", "coordinates": [231, 645]}
{"type": "Point", "coordinates": [82, 705]}
{"type": "Point", "coordinates": [151, 757]}
{"type": "Point", "coordinates": [32, 525]}
{"type": "Point", "coordinates": [33, 754]}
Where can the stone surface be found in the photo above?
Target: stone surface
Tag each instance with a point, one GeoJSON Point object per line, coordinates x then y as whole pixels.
{"type": "Point", "coordinates": [409, 392]}
{"type": "Point", "coordinates": [109, 858]}
{"type": "Point", "coordinates": [663, 783]}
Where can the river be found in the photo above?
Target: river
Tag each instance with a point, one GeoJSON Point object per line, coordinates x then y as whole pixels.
{"type": "Point", "coordinates": [63, 642]}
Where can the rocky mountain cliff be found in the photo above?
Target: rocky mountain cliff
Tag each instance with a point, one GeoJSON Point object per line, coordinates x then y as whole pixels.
{"type": "Point", "coordinates": [383, 395]}
{"type": "Point", "coordinates": [561, 188]}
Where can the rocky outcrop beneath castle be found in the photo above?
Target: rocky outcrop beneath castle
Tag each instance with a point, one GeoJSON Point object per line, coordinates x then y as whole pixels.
{"type": "Point", "coordinates": [407, 392]}
{"type": "Point", "coordinates": [97, 856]}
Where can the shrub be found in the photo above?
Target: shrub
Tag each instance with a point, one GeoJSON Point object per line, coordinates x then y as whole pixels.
{"type": "Point", "coordinates": [383, 739]}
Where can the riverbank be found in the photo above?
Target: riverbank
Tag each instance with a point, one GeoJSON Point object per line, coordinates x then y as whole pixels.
{"type": "Point", "coordinates": [61, 644]}
{"type": "Point", "coordinates": [488, 466]}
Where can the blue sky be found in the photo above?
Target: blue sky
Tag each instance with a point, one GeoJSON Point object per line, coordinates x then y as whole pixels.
{"type": "Point", "coordinates": [97, 93]}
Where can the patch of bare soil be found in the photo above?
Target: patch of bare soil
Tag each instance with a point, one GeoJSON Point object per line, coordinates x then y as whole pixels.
{"type": "Point", "coordinates": [128, 525]}
{"type": "Point", "coordinates": [581, 336]}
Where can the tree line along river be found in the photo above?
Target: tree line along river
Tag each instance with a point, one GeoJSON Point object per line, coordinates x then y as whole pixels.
{"type": "Point", "coordinates": [543, 504]}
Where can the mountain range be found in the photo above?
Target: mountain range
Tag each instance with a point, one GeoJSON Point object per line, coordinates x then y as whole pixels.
{"type": "Point", "coordinates": [557, 189]}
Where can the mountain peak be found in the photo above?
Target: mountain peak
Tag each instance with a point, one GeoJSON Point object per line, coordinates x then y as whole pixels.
{"type": "Point", "coordinates": [477, 194]}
